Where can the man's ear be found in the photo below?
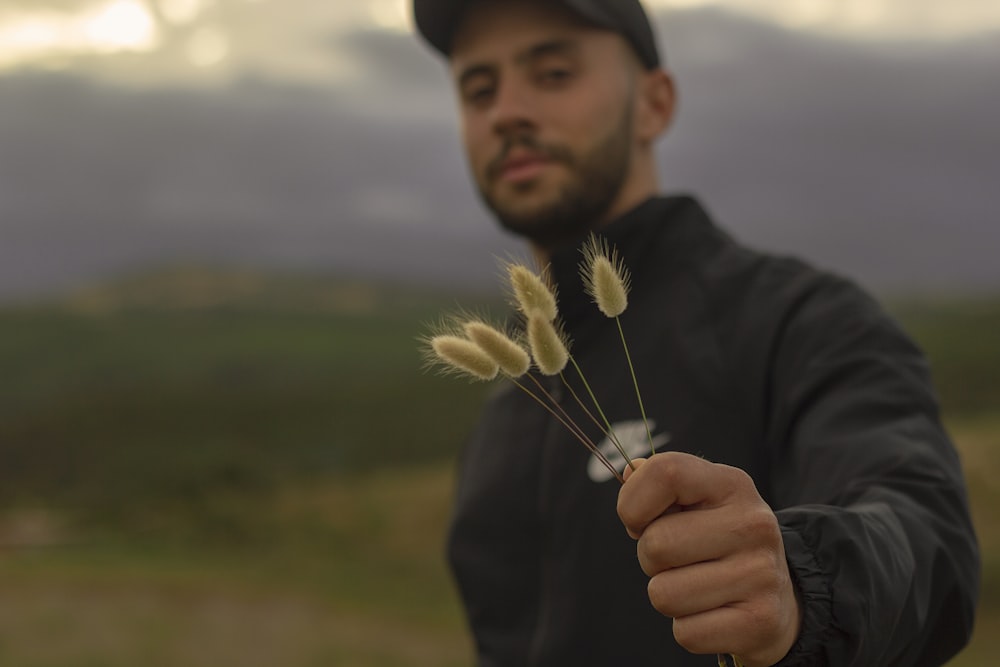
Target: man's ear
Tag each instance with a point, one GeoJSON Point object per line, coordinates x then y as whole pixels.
{"type": "Point", "coordinates": [655, 104]}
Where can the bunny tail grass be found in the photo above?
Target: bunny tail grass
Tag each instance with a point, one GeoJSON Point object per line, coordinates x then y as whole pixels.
{"type": "Point", "coordinates": [532, 292]}
{"type": "Point", "coordinates": [607, 281]}
{"type": "Point", "coordinates": [513, 360]}
{"type": "Point", "coordinates": [548, 345]}
{"type": "Point", "coordinates": [605, 277]}
{"type": "Point", "coordinates": [464, 356]}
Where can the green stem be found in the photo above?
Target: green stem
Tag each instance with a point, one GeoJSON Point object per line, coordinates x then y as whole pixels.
{"type": "Point", "coordinates": [604, 429]}
{"type": "Point", "coordinates": [614, 439]}
{"type": "Point", "coordinates": [635, 383]}
{"type": "Point", "coordinates": [569, 424]}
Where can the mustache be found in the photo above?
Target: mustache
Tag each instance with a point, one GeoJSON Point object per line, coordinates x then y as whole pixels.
{"type": "Point", "coordinates": [551, 152]}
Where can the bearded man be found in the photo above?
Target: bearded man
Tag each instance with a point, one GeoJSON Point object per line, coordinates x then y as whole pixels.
{"type": "Point", "coordinates": [804, 505]}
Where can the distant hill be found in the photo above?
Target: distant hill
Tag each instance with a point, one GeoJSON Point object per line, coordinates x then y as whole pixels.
{"type": "Point", "coordinates": [158, 401]}
{"type": "Point", "coordinates": [205, 288]}
{"type": "Point", "coordinates": [136, 399]}
{"type": "Point", "coordinates": [957, 332]}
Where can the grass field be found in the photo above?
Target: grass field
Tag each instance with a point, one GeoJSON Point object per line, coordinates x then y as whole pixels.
{"type": "Point", "coordinates": [203, 468]}
{"type": "Point", "coordinates": [353, 576]}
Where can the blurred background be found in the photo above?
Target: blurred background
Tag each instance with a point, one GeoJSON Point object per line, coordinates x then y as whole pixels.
{"type": "Point", "coordinates": [224, 223]}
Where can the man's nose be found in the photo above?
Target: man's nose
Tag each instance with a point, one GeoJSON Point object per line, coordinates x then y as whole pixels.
{"type": "Point", "coordinates": [513, 109]}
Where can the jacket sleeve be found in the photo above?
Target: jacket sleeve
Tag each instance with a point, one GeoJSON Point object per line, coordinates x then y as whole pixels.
{"type": "Point", "coordinates": [867, 487]}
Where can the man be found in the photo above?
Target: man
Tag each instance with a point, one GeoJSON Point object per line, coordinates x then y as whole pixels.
{"type": "Point", "coordinates": [804, 506]}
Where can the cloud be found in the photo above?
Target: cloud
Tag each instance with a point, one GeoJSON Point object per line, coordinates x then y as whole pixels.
{"type": "Point", "coordinates": [864, 19]}
{"type": "Point", "coordinates": [874, 159]}
{"type": "Point", "coordinates": [397, 78]}
{"type": "Point", "coordinates": [97, 179]}
{"type": "Point", "coordinates": [871, 158]}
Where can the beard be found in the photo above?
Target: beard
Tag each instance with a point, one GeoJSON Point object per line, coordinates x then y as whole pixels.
{"type": "Point", "coordinates": [596, 179]}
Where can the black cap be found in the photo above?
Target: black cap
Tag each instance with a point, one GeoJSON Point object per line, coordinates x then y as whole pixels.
{"type": "Point", "coordinates": [437, 21]}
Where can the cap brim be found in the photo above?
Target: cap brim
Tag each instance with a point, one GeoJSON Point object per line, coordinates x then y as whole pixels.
{"type": "Point", "coordinates": [437, 20]}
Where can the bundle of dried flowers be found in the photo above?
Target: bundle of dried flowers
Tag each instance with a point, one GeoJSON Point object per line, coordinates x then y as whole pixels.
{"type": "Point", "coordinates": [472, 347]}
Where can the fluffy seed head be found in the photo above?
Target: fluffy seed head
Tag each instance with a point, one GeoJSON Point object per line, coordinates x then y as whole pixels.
{"type": "Point", "coordinates": [512, 359]}
{"type": "Point", "coordinates": [548, 346]}
{"type": "Point", "coordinates": [531, 292]}
{"type": "Point", "coordinates": [463, 355]}
{"type": "Point", "coordinates": [605, 277]}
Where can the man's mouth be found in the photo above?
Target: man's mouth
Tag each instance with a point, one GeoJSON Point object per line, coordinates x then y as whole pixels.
{"type": "Point", "coordinates": [520, 167]}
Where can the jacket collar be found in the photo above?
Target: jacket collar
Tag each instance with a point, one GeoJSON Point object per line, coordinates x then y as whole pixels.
{"type": "Point", "coordinates": [661, 230]}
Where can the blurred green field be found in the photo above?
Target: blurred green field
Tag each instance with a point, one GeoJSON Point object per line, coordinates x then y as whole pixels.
{"type": "Point", "coordinates": [222, 468]}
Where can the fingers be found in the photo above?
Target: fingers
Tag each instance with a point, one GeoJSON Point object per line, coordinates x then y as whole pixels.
{"type": "Point", "coordinates": [701, 633]}
{"type": "Point", "coordinates": [705, 586]}
{"type": "Point", "coordinates": [696, 589]}
{"type": "Point", "coordinates": [678, 539]}
{"type": "Point", "coordinates": [751, 632]}
{"type": "Point", "coordinates": [676, 479]}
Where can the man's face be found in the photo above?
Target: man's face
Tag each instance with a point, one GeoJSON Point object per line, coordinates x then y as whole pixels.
{"type": "Point", "coordinates": [547, 110]}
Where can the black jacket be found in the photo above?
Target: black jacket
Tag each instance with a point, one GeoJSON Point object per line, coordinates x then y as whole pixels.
{"type": "Point", "coordinates": [760, 362]}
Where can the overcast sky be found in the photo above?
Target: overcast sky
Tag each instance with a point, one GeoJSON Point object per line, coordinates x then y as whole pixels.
{"type": "Point", "coordinates": [321, 134]}
{"type": "Point", "coordinates": [155, 41]}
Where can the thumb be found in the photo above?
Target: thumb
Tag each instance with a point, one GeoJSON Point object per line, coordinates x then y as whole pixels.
{"type": "Point", "coordinates": [629, 469]}
{"type": "Point", "coordinates": [632, 468]}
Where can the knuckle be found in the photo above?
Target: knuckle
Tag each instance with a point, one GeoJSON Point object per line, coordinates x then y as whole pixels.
{"type": "Point", "coordinates": [659, 595]}
{"type": "Point", "coordinates": [763, 573]}
{"type": "Point", "coordinates": [762, 564]}
{"type": "Point", "coordinates": [624, 511]}
{"type": "Point", "coordinates": [764, 614]}
{"type": "Point", "coordinates": [780, 579]}
{"type": "Point", "coordinates": [654, 551]}
{"type": "Point", "coordinates": [647, 566]}
{"type": "Point", "coordinates": [643, 552]}
{"type": "Point", "coordinates": [759, 526]}
{"type": "Point", "coordinates": [743, 487]}
{"type": "Point", "coordinates": [740, 479]}
{"type": "Point", "coordinates": [666, 466]}
{"type": "Point", "coordinates": [655, 542]}
{"type": "Point", "coordinates": [686, 634]}
{"type": "Point", "coordinates": [628, 512]}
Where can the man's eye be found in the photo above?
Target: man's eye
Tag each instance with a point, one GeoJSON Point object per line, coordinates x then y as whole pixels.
{"type": "Point", "coordinates": [555, 75]}
{"type": "Point", "coordinates": [478, 94]}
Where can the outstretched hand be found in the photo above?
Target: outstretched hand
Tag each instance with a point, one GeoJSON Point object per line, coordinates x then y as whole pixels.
{"type": "Point", "coordinates": [713, 552]}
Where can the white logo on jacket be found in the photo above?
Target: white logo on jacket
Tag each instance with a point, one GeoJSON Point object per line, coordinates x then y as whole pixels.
{"type": "Point", "coordinates": [632, 436]}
